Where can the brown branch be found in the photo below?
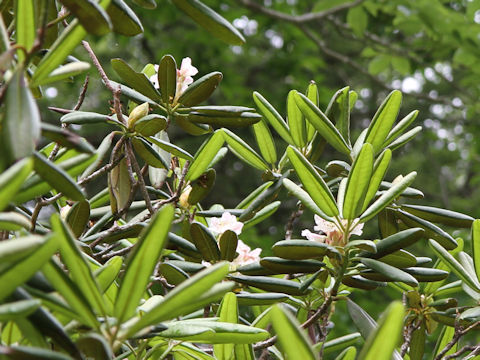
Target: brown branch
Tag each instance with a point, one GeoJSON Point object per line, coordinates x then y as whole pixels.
{"type": "Point", "coordinates": [292, 220]}
{"type": "Point", "coordinates": [475, 350]}
{"type": "Point", "coordinates": [408, 336]}
{"type": "Point", "coordinates": [298, 19]}
{"type": "Point", "coordinates": [459, 332]}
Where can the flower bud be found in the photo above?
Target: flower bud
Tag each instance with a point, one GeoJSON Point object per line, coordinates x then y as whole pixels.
{"type": "Point", "coordinates": [183, 200]}
{"type": "Point", "coordinates": [137, 113]}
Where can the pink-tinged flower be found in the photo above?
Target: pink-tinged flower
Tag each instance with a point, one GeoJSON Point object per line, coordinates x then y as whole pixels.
{"type": "Point", "coordinates": [184, 76]}
{"type": "Point", "coordinates": [224, 223]}
{"type": "Point", "coordinates": [154, 78]}
{"type": "Point", "coordinates": [331, 232]}
{"type": "Point", "coordinates": [246, 255]}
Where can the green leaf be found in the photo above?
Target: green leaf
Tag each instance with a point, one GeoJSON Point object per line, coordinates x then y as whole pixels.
{"type": "Point", "coordinates": [391, 273]}
{"type": "Point", "coordinates": [66, 138]}
{"type": "Point", "coordinates": [283, 266]}
{"type": "Point", "coordinates": [214, 23]}
{"type": "Point", "coordinates": [119, 186]}
{"type": "Point", "coordinates": [150, 125]}
{"type": "Point", "coordinates": [64, 72]}
{"type": "Point", "coordinates": [77, 264]}
{"type": "Point", "coordinates": [227, 313]}
{"type": "Point", "coordinates": [234, 120]}
{"type": "Point", "coordinates": [417, 344]}
{"type": "Point", "coordinates": [362, 320]}
{"type": "Point", "coordinates": [271, 284]}
{"type": "Point", "coordinates": [18, 309]}
{"type": "Point", "coordinates": [387, 197]}
{"type": "Point", "coordinates": [357, 183]}
{"type": "Point", "coordinates": [108, 273]}
{"type": "Point", "coordinates": [21, 123]}
{"type": "Point", "coordinates": [313, 182]}
{"type": "Point", "coordinates": [381, 343]}
{"type": "Point", "coordinates": [249, 299]}
{"type": "Point", "coordinates": [201, 89]}
{"type": "Point", "coordinates": [348, 354]}
{"type": "Point", "coordinates": [23, 270]}
{"type": "Point", "coordinates": [273, 117]}
{"type": "Point", "coordinates": [205, 155]}
{"type": "Point", "coordinates": [12, 178]}
{"type": "Point", "coordinates": [14, 249]}
{"type": "Point", "coordinates": [61, 48]}
{"type": "Point", "coordinates": [476, 246]}
{"type": "Point", "coordinates": [90, 14]}
{"type": "Point", "coordinates": [401, 126]}
{"type": "Point", "coordinates": [397, 241]}
{"type": "Point", "coordinates": [244, 151]}
{"type": "Point", "coordinates": [12, 221]}
{"type": "Point", "coordinates": [431, 230]}
{"type": "Point", "coordinates": [339, 110]}
{"type": "Point", "coordinates": [446, 335]}
{"type": "Point", "coordinates": [141, 263]}
{"type": "Point", "coordinates": [83, 117]}
{"type": "Point", "coordinates": [204, 241]}
{"type": "Point", "coordinates": [148, 153]}
{"type": "Point", "coordinates": [357, 19]}
{"type": "Point", "coordinates": [341, 343]}
{"type": "Point", "coordinates": [321, 123]}
{"type": "Point", "coordinates": [200, 287]}
{"type": "Point", "coordinates": [173, 274]}
{"type": "Point", "coordinates": [293, 340]}
{"type": "Point", "coordinates": [24, 25]}
{"type": "Point", "coordinates": [30, 352]}
{"type": "Point", "coordinates": [300, 249]}
{"type": "Point", "coordinates": [439, 215]}
{"type": "Point", "coordinates": [383, 120]}
{"type": "Point", "coordinates": [78, 217]}
{"type": "Point", "coordinates": [427, 274]}
{"type": "Point", "coordinates": [402, 140]}
{"type": "Point", "coordinates": [265, 142]}
{"type": "Point", "coordinates": [312, 94]}
{"type": "Point", "coordinates": [202, 187]}
{"type": "Point", "coordinates": [228, 242]}
{"type": "Point", "coordinates": [379, 170]}
{"type": "Point", "coordinates": [454, 265]}
{"type": "Point", "coordinates": [167, 78]}
{"type": "Point", "coordinates": [72, 294]}
{"type": "Point", "coordinates": [135, 80]}
{"type": "Point", "coordinates": [57, 178]}
{"type": "Point", "coordinates": [296, 122]}
{"type": "Point", "coordinates": [124, 20]}
{"type": "Point", "coordinates": [171, 148]}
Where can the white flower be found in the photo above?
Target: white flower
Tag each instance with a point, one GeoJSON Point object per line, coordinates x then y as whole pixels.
{"type": "Point", "coordinates": [226, 222]}
{"type": "Point", "coordinates": [246, 255]}
{"type": "Point", "coordinates": [184, 76]}
{"type": "Point", "coordinates": [332, 232]}
{"type": "Point", "coordinates": [154, 78]}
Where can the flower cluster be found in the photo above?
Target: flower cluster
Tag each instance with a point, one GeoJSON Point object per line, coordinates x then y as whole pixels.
{"type": "Point", "coordinates": [330, 232]}
{"type": "Point", "coordinates": [229, 222]}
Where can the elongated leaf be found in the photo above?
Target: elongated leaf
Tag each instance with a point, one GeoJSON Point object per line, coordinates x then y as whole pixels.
{"type": "Point", "coordinates": [72, 294]}
{"type": "Point", "coordinates": [57, 178]}
{"type": "Point", "coordinates": [296, 122]}
{"type": "Point", "coordinates": [135, 80]}
{"type": "Point", "coordinates": [228, 242]}
{"type": "Point", "coordinates": [205, 155]}
{"type": "Point", "coordinates": [18, 309]}
{"type": "Point", "coordinates": [12, 221]}
{"type": "Point", "coordinates": [24, 25]}
{"type": "Point", "coordinates": [119, 186]}
{"type": "Point", "coordinates": [90, 14]}
{"type": "Point", "coordinates": [12, 178]}
{"type": "Point", "coordinates": [397, 241]}
{"type": "Point", "coordinates": [386, 198]}
{"type": "Point", "coordinates": [357, 183]}
{"type": "Point", "coordinates": [400, 127]}
{"type": "Point", "coordinates": [293, 341]}
{"type": "Point", "coordinates": [179, 299]}
{"type": "Point", "coordinates": [214, 23]}
{"type": "Point", "coordinates": [244, 151]}
{"type": "Point", "coordinates": [23, 270]}
{"type": "Point", "coordinates": [271, 284]}
{"type": "Point", "coordinates": [78, 217]}
{"type": "Point", "coordinates": [348, 354]}
{"type": "Point", "coordinates": [228, 313]}
{"type": "Point", "coordinates": [339, 111]}
{"type": "Point", "coordinates": [402, 140]}
{"type": "Point", "coordinates": [273, 117]}
{"type": "Point", "coordinates": [283, 266]}
{"type": "Point", "coordinates": [341, 342]}
{"type": "Point", "coordinates": [21, 124]}
{"type": "Point", "coordinates": [76, 264]}
{"type": "Point", "coordinates": [313, 182]}
{"type": "Point", "coordinates": [201, 89]}
{"type": "Point", "coordinates": [148, 153]}
{"type": "Point", "coordinates": [445, 337]}
{"type": "Point", "coordinates": [476, 246]}
{"type": "Point", "coordinates": [230, 121]}
{"type": "Point", "coordinates": [124, 20]}
{"type": "Point", "coordinates": [392, 273]}
{"type": "Point", "coordinates": [454, 265]}
{"type": "Point", "coordinates": [321, 123]}
{"type": "Point", "coordinates": [383, 120]}
{"type": "Point", "coordinates": [300, 249]}
{"type": "Point", "coordinates": [30, 352]}
{"type": "Point", "coordinates": [169, 147]}
{"type": "Point", "coordinates": [204, 241]}
{"type": "Point", "coordinates": [167, 78]}
{"type": "Point", "coordinates": [64, 72]}
{"type": "Point", "coordinates": [312, 94]}
{"type": "Point", "coordinates": [439, 215]}
{"type": "Point", "coordinates": [305, 198]}
{"type": "Point", "coordinates": [381, 343]}
{"type": "Point", "coordinates": [379, 170]}
{"type": "Point", "coordinates": [66, 138]}
{"type": "Point", "coordinates": [14, 249]}
{"type": "Point", "coordinates": [141, 264]}
{"type": "Point", "coordinates": [265, 142]}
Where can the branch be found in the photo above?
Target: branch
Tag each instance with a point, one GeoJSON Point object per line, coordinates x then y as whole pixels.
{"type": "Point", "coordinates": [475, 350]}
{"type": "Point", "coordinates": [459, 332]}
{"type": "Point", "coordinates": [298, 19]}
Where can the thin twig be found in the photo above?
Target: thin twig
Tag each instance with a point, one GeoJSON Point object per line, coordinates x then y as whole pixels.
{"type": "Point", "coordinates": [459, 332]}
{"type": "Point", "coordinates": [474, 348]}
{"type": "Point", "coordinates": [292, 220]}
{"type": "Point", "coordinates": [408, 336]}
{"type": "Point", "coordinates": [117, 253]}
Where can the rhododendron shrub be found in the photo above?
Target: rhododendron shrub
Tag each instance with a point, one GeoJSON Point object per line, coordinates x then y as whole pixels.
{"type": "Point", "coordinates": [142, 269]}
